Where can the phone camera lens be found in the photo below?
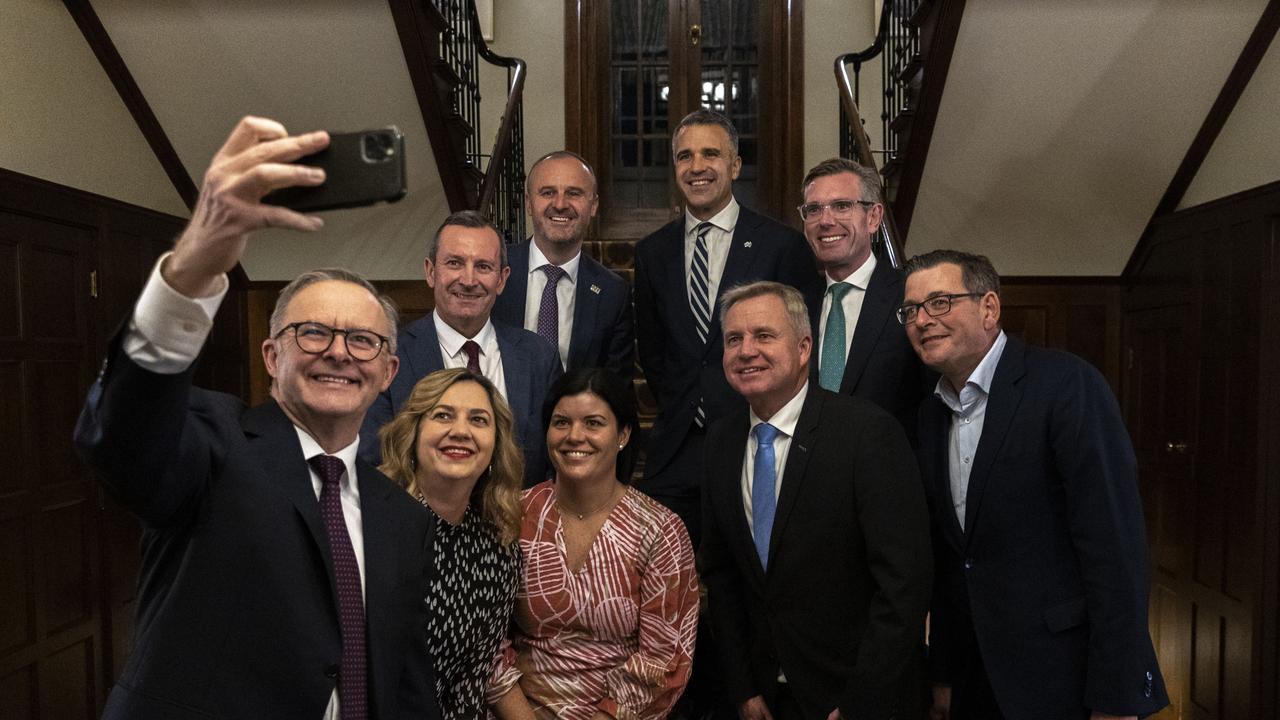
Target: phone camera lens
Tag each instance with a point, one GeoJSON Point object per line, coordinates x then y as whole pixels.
{"type": "Point", "coordinates": [378, 147]}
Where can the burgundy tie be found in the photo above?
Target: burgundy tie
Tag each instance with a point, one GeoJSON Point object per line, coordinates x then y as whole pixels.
{"type": "Point", "coordinates": [472, 349]}
{"type": "Point", "coordinates": [549, 309]}
{"type": "Point", "coordinates": [352, 680]}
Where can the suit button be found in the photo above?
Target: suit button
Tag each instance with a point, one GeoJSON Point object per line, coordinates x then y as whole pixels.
{"type": "Point", "coordinates": [331, 672]}
{"type": "Point", "coordinates": [968, 563]}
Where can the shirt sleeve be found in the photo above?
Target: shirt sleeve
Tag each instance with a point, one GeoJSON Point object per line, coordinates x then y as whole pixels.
{"type": "Point", "coordinates": [168, 329]}
{"type": "Point", "coordinates": [651, 680]}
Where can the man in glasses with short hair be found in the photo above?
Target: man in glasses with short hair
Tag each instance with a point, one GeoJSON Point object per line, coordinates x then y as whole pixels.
{"type": "Point", "coordinates": [1041, 575]}
{"type": "Point", "coordinates": [281, 576]}
{"type": "Point", "coordinates": [861, 350]}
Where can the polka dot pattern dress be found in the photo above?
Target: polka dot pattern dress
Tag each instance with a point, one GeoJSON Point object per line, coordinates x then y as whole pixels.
{"type": "Point", "coordinates": [469, 600]}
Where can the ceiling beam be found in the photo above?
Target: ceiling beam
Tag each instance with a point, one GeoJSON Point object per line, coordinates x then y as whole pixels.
{"type": "Point", "coordinates": [1255, 48]}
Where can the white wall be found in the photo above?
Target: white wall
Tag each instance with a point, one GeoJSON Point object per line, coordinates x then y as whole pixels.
{"type": "Point", "coordinates": [61, 119]}
{"type": "Point", "coordinates": [1247, 151]}
{"type": "Point", "coordinates": [832, 28]}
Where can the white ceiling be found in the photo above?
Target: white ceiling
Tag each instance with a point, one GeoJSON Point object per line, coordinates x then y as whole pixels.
{"type": "Point", "coordinates": [1062, 124]}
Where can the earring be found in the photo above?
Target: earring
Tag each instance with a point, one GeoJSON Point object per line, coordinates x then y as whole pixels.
{"type": "Point", "coordinates": [621, 445]}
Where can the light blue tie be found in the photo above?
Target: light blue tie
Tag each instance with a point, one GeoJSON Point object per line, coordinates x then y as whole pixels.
{"type": "Point", "coordinates": [831, 364]}
{"type": "Point", "coordinates": [763, 500]}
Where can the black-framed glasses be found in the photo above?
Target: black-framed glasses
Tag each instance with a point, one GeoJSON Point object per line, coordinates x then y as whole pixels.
{"type": "Point", "coordinates": [936, 306]}
{"type": "Point", "coordinates": [839, 208]}
{"type": "Point", "coordinates": [315, 338]}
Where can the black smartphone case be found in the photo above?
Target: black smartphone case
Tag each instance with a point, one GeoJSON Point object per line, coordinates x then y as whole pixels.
{"type": "Point", "coordinates": [355, 175]}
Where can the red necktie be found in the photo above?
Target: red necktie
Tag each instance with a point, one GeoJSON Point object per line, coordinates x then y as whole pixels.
{"type": "Point", "coordinates": [352, 678]}
{"type": "Point", "coordinates": [472, 349]}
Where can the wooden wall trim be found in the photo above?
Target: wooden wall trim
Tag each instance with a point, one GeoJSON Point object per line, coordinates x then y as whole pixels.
{"type": "Point", "coordinates": [1255, 48]}
{"type": "Point", "coordinates": [48, 199]}
{"type": "Point", "coordinates": [938, 42]}
{"type": "Point", "coordinates": [105, 50]}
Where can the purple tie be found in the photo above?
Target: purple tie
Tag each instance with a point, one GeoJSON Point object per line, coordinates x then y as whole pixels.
{"type": "Point", "coordinates": [472, 349]}
{"type": "Point", "coordinates": [549, 309]}
{"type": "Point", "coordinates": [352, 680]}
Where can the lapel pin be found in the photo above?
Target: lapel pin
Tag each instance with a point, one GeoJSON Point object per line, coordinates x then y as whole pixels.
{"type": "Point", "coordinates": [746, 244]}
{"type": "Point", "coordinates": [595, 289]}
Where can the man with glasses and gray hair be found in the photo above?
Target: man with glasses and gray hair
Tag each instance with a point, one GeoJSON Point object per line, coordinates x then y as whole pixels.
{"type": "Point", "coordinates": [281, 576]}
{"type": "Point", "coordinates": [861, 350]}
{"type": "Point", "coordinates": [1041, 570]}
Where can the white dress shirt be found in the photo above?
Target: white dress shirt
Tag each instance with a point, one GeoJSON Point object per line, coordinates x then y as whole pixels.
{"type": "Point", "coordinates": [165, 335]}
{"type": "Point", "coordinates": [719, 240]}
{"type": "Point", "coordinates": [968, 415]}
{"type": "Point", "coordinates": [565, 297]}
{"type": "Point", "coordinates": [860, 279]}
{"type": "Point", "coordinates": [490, 357]}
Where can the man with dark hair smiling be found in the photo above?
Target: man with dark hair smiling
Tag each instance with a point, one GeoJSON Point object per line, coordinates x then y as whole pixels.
{"type": "Point", "coordinates": [466, 267]}
{"type": "Point", "coordinates": [1042, 579]}
{"type": "Point", "coordinates": [557, 291]}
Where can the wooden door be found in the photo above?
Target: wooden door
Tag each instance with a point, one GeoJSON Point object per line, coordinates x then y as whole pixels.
{"type": "Point", "coordinates": [51, 639]}
{"type": "Point", "coordinates": [635, 67]}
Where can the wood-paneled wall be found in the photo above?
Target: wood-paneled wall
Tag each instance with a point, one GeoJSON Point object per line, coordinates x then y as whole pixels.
{"type": "Point", "coordinates": [1201, 331]}
{"type": "Point", "coordinates": [71, 265]}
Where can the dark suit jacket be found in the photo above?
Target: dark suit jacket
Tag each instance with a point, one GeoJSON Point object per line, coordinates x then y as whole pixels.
{"type": "Point", "coordinates": [602, 333]}
{"type": "Point", "coordinates": [1050, 577]}
{"type": "Point", "coordinates": [880, 365]}
{"type": "Point", "coordinates": [237, 612]}
{"type": "Point", "coordinates": [841, 608]}
{"type": "Point", "coordinates": [529, 366]}
{"type": "Point", "coordinates": [680, 368]}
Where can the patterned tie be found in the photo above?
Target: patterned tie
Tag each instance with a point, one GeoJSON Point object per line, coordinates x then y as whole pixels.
{"type": "Point", "coordinates": [352, 680]}
{"type": "Point", "coordinates": [699, 299]}
{"type": "Point", "coordinates": [831, 365]}
{"type": "Point", "coordinates": [472, 349]}
{"type": "Point", "coordinates": [548, 308]}
{"type": "Point", "coordinates": [763, 500]}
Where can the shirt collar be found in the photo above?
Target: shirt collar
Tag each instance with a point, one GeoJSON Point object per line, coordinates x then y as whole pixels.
{"type": "Point", "coordinates": [451, 340]}
{"type": "Point", "coordinates": [788, 416]}
{"type": "Point", "coordinates": [979, 380]}
{"type": "Point", "coordinates": [726, 219]}
{"type": "Point", "coordinates": [311, 448]}
{"type": "Point", "coordinates": [860, 278]}
{"type": "Point", "coordinates": [537, 260]}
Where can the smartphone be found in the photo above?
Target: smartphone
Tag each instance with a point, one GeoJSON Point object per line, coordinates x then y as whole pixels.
{"type": "Point", "coordinates": [361, 168]}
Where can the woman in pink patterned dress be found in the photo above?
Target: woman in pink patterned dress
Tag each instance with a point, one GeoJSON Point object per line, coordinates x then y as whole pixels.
{"type": "Point", "coordinates": [607, 609]}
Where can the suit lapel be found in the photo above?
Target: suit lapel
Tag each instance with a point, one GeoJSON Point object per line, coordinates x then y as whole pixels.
{"type": "Point", "coordinates": [883, 294]}
{"type": "Point", "coordinates": [274, 443]}
{"type": "Point", "coordinates": [737, 266]}
{"type": "Point", "coordinates": [793, 474]}
{"type": "Point", "coordinates": [421, 348]}
{"type": "Point", "coordinates": [586, 304]}
{"type": "Point", "coordinates": [515, 372]}
{"type": "Point", "coordinates": [517, 285]}
{"type": "Point", "coordinates": [934, 468]}
{"type": "Point", "coordinates": [380, 560]}
{"type": "Point", "coordinates": [1002, 406]}
{"type": "Point", "coordinates": [728, 491]}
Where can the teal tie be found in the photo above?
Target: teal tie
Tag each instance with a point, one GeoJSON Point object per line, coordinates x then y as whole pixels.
{"type": "Point", "coordinates": [831, 364]}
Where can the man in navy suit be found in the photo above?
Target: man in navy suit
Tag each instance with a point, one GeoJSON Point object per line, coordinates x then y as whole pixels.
{"type": "Point", "coordinates": [1042, 580]}
{"type": "Point", "coordinates": [268, 588]}
{"type": "Point", "coordinates": [466, 267]}
{"type": "Point", "coordinates": [575, 303]}
{"type": "Point", "coordinates": [681, 270]}
{"type": "Point", "coordinates": [816, 546]}
{"type": "Point", "coordinates": [862, 349]}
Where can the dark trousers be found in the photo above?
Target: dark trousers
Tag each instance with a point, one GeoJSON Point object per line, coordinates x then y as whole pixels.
{"type": "Point", "coordinates": [971, 695]}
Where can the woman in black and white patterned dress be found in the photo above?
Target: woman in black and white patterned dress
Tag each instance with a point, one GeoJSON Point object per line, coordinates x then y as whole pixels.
{"type": "Point", "coordinates": [452, 446]}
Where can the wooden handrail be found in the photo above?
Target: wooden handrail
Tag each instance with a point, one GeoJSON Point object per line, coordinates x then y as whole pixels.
{"type": "Point", "coordinates": [516, 69]}
{"type": "Point", "coordinates": [889, 237]}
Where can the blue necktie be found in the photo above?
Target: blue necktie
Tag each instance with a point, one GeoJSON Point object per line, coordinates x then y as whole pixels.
{"type": "Point", "coordinates": [763, 500]}
{"type": "Point", "coordinates": [831, 364]}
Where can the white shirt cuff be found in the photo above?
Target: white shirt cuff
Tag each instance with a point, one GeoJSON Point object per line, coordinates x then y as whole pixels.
{"type": "Point", "coordinates": [168, 329]}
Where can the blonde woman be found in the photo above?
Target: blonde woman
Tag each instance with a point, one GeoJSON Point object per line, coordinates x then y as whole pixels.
{"type": "Point", "coordinates": [452, 446]}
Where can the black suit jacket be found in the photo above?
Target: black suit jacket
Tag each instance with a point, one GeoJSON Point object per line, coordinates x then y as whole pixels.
{"type": "Point", "coordinates": [841, 608]}
{"type": "Point", "coordinates": [1050, 577]}
{"type": "Point", "coordinates": [602, 329]}
{"type": "Point", "coordinates": [529, 366]}
{"type": "Point", "coordinates": [680, 369]}
{"type": "Point", "coordinates": [880, 364]}
{"type": "Point", "coordinates": [237, 611]}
